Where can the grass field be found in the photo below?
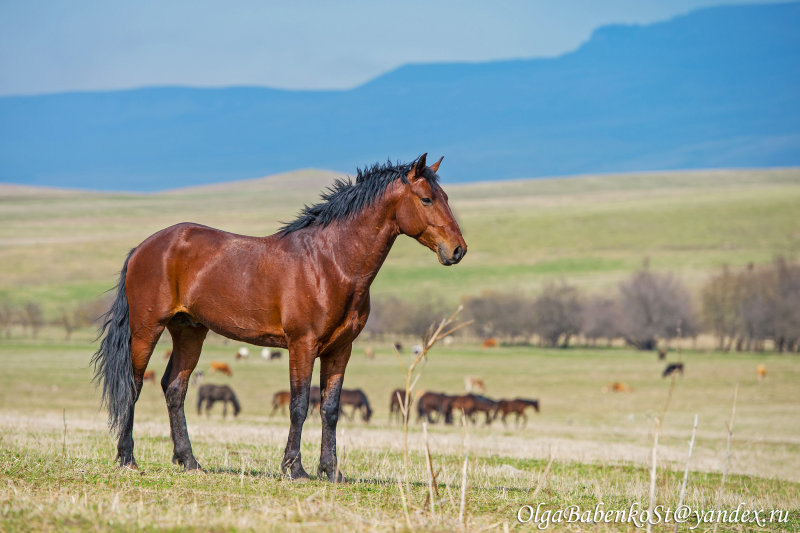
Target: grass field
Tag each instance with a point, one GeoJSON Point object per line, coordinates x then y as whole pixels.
{"type": "Point", "coordinates": [57, 471]}
{"type": "Point", "coordinates": [60, 247]}
{"type": "Point", "coordinates": [586, 447]}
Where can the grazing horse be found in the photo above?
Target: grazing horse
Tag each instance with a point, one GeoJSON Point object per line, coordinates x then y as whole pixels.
{"type": "Point", "coordinates": [314, 399]}
{"type": "Point", "coordinates": [516, 406]}
{"type": "Point", "coordinates": [149, 375]}
{"type": "Point", "coordinates": [431, 403]}
{"type": "Point", "coordinates": [305, 288]}
{"type": "Point", "coordinates": [209, 394]}
{"type": "Point", "coordinates": [396, 401]}
{"type": "Point", "coordinates": [358, 401]}
{"type": "Point", "coordinates": [673, 368]}
{"type": "Point", "coordinates": [217, 366]}
{"type": "Point", "coordinates": [471, 404]}
{"type": "Point", "coordinates": [280, 400]}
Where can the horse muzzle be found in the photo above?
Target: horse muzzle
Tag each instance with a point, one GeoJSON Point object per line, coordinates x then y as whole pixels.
{"type": "Point", "coordinates": [453, 256]}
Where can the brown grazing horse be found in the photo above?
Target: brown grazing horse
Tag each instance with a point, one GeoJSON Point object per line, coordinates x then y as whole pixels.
{"type": "Point", "coordinates": [471, 404]}
{"type": "Point", "coordinates": [434, 403]}
{"type": "Point", "coordinates": [358, 401]}
{"type": "Point", "coordinates": [516, 406]}
{"type": "Point", "coordinates": [396, 400]}
{"type": "Point", "coordinates": [280, 400]}
{"type": "Point", "coordinates": [305, 288]}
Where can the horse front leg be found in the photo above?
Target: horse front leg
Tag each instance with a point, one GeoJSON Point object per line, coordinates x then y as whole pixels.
{"type": "Point", "coordinates": [331, 378]}
{"type": "Point", "coordinates": [301, 365]}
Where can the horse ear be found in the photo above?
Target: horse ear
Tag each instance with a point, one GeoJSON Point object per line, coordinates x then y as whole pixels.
{"type": "Point", "coordinates": [435, 166]}
{"type": "Point", "coordinates": [419, 168]}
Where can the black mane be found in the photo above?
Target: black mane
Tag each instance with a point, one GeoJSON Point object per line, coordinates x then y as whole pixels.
{"type": "Point", "coordinates": [345, 198]}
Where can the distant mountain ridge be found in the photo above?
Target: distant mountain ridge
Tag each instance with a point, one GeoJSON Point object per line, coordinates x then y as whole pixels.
{"type": "Point", "coordinates": [719, 87]}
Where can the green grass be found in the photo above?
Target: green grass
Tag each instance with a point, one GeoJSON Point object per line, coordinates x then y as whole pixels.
{"type": "Point", "coordinates": [57, 471]}
{"type": "Point", "coordinates": [59, 247]}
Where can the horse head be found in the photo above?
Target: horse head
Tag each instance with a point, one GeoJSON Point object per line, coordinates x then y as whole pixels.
{"type": "Point", "coordinates": [423, 213]}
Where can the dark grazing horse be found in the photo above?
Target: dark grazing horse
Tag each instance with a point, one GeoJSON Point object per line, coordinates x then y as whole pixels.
{"type": "Point", "coordinates": [673, 368]}
{"type": "Point", "coordinates": [209, 394]}
{"type": "Point", "coordinates": [396, 400]}
{"type": "Point", "coordinates": [305, 288]}
{"type": "Point", "coordinates": [471, 404]}
{"type": "Point", "coordinates": [358, 401]}
{"type": "Point", "coordinates": [434, 405]}
{"type": "Point", "coordinates": [516, 406]}
{"type": "Point", "coordinates": [314, 399]}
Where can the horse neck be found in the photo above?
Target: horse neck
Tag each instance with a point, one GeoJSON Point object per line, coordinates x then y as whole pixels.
{"type": "Point", "coordinates": [361, 244]}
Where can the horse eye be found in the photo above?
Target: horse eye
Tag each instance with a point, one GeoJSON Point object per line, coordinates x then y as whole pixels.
{"type": "Point", "coordinates": [427, 201]}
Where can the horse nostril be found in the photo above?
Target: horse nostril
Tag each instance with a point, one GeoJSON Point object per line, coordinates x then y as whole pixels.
{"type": "Point", "coordinates": [458, 253]}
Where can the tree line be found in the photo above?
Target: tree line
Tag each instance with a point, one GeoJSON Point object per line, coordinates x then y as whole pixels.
{"type": "Point", "coordinates": [745, 309]}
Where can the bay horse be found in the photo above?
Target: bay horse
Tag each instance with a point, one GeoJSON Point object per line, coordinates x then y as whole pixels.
{"type": "Point", "coordinates": [396, 401]}
{"type": "Point", "coordinates": [305, 288]}
{"type": "Point", "coordinates": [358, 401]}
{"type": "Point", "coordinates": [471, 404]}
{"type": "Point", "coordinates": [280, 400]}
{"type": "Point", "coordinates": [516, 406]}
{"type": "Point", "coordinates": [434, 403]}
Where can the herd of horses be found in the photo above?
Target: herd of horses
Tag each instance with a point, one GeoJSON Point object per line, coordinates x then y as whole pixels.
{"type": "Point", "coordinates": [430, 406]}
{"type": "Point", "coordinates": [436, 406]}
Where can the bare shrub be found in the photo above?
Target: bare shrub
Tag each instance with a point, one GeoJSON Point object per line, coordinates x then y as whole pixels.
{"type": "Point", "coordinates": [32, 317]}
{"type": "Point", "coordinates": [501, 315]}
{"type": "Point", "coordinates": [557, 314]}
{"type": "Point", "coordinates": [7, 315]}
{"type": "Point", "coordinates": [721, 307]}
{"type": "Point", "coordinates": [392, 315]}
{"type": "Point", "coordinates": [787, 305]}
{"type": "Point", "coordinates": [601, 319]}
{"type": "Point", "coordinates": [653, 306]}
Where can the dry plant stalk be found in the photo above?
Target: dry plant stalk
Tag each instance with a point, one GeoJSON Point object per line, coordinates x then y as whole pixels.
{"type": "Point", "coordinates": [686, 472]}
{"type": "Point", "coordinates": [464, 469]}
{"type": "Point", "coordinates": [446, 327]}
{"type": "Point", "coordinates": [652, 504]}
{"type": "Point", "coordinates": [431, 475]}
{"type": "Point", "coordinates": [544, 476]}
{"type": "Point", "coordinates": [728, 451]}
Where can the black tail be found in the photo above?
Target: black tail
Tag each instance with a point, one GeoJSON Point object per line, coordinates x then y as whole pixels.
{"type": "Point", "coordinates": [112, 361]}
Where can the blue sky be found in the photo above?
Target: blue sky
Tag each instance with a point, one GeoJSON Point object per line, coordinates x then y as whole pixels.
{"type": "Point", "coordinates": [55, 46]}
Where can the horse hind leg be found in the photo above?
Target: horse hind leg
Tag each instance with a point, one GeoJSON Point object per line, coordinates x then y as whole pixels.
{"type": "Point", "coordinates": [142, 345]}
{"type": "Point", "coordinates": [187, 342]}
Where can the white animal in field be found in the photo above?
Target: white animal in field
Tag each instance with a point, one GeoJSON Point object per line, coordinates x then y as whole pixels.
{"type": "Point", "coordinates": [416, 349]}
{"type": "Point", "coordinates": [242, 353]}
{"type": "Point", "coordinates": [265, 354]}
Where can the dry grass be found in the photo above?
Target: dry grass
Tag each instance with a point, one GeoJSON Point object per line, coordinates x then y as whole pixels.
{"type": "Point", "coordinates": [600, 445]}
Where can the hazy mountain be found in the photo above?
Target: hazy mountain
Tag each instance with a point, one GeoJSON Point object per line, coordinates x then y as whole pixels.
{"type": "Point", "coordinates": [719, 87]}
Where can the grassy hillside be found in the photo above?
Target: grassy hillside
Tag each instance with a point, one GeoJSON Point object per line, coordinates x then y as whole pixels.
{"type": "Point", "coordinates": [62, 247]}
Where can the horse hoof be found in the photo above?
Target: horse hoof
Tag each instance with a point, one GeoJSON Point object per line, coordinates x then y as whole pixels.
{"type": "Point", "coordinates": [130, 467]}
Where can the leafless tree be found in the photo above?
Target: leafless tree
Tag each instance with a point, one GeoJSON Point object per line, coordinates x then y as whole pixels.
{"type": "Point", "coordinates": [654, 306]}
{"type": "Point", "coordinates": [557, 314]}
{"type": "Point", "coordinates": [721, 307]}
{"type": "Point", "coordinates": [6, 318]}
{"type": "Point", "coordinates": [33, 317]}
{"type": "Point", "coordinates": [501, 314]}
{"type": "Point", "coordinates": [601, 319]}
